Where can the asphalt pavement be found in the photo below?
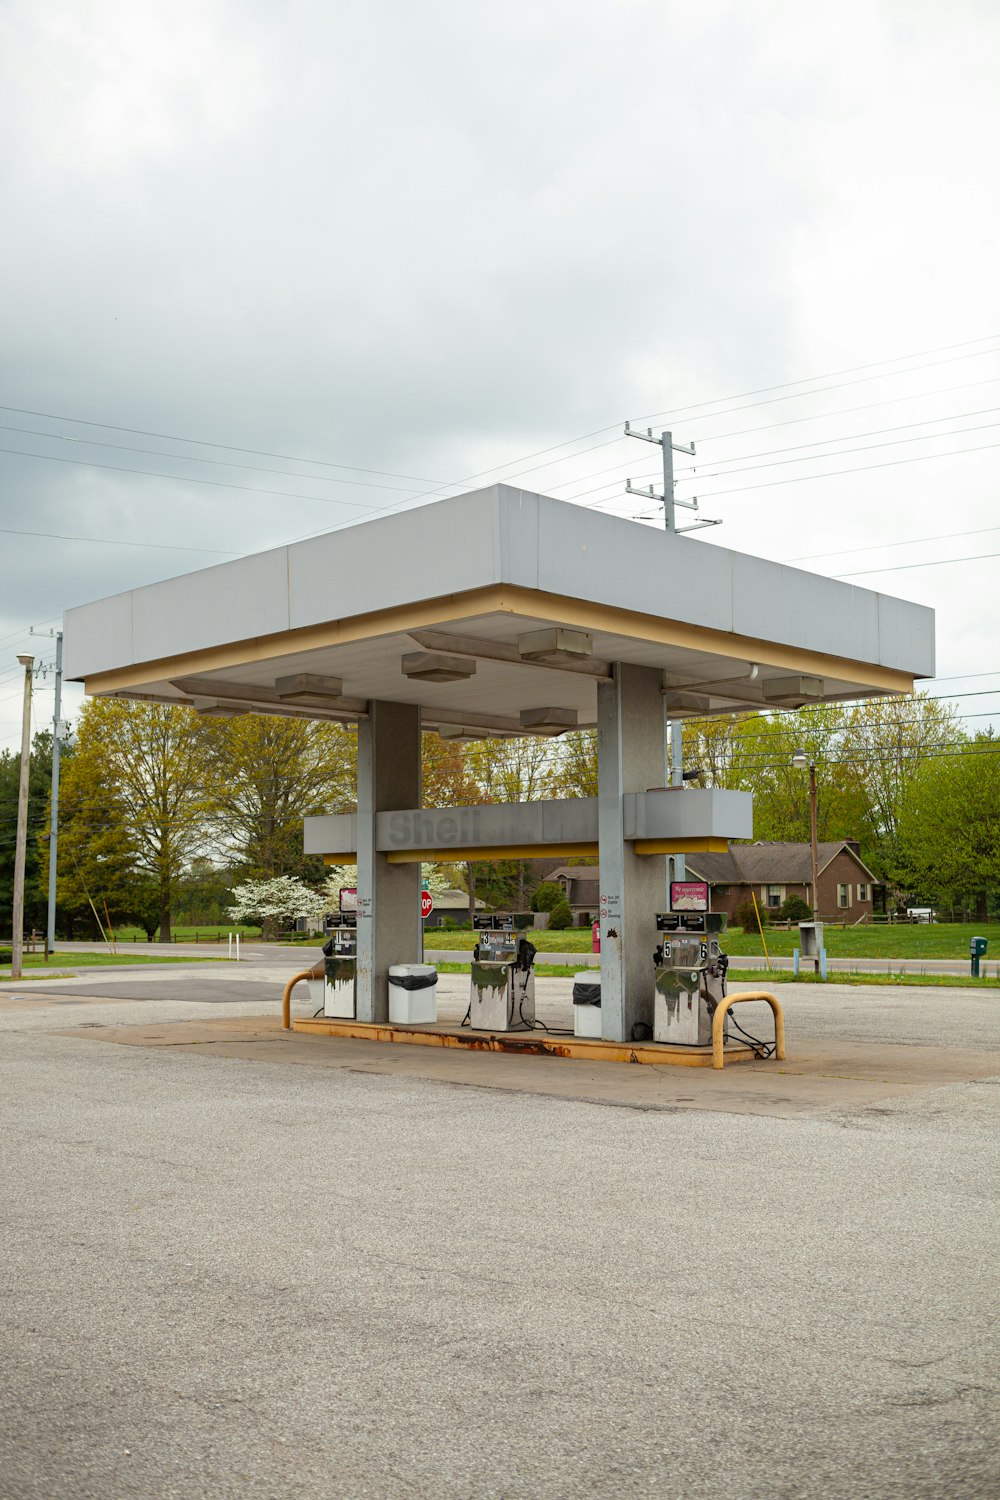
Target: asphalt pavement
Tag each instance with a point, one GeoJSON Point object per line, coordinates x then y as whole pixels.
{"type": "Point", "coordinates": [227, 1277]}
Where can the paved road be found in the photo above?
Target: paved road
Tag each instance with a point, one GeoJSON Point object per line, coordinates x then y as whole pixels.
{"type": "Point", "coordinates": [228, 1279]}
{"type": "Point", "coordinates": [270, 955]}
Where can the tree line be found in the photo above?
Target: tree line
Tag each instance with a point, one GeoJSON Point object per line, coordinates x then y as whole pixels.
{"type": "Point", "coordinates": [163, 810]}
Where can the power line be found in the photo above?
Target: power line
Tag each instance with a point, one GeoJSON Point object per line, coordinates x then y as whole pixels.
{"type": "Point", "coordinates": [865, 448]}
{"type": "Point", "coordinates": [168, 437]}
{"type": "Point", "coordinates": [110, 541]}
{"type": "Point", "coordinates": [768, 426]}
{"type": "Point", "coordinates": [599, 432]}
{"type": "Point", "coordinates": [849, 437]}
{"type": "Point", "coordinates": [820, 390]}
{"type": "Point", "coordinates": [859, 469]}
{"type": "Point", "coordinates": [909, 541]}
{"type": "Point", "coordinates": [219, 484]}
{"type": "Point", "coordinates": [937, 562]}
{"type": "Point", "coordinates": [221, 463]}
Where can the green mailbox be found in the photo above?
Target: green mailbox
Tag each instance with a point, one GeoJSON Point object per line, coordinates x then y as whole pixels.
{"type": "Point", "coordinates": [977, 950]}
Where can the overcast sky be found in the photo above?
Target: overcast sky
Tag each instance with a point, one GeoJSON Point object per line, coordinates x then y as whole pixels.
{"type": "Point", "coordinates": [434, 239]}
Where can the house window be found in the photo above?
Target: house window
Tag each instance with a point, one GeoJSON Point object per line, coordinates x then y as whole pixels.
{"type": "Point", "coordinates": [843, 895]}
{"type": "Point", "coordinates": [773, 896]}
{"type": "Point", "coordinates": [862, 892]}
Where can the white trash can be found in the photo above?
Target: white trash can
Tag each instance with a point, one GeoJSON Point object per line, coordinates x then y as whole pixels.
{"type": "Point", "coordinates": [412, 994]}
{"type": "Point", "coordinates": [587, 1003]}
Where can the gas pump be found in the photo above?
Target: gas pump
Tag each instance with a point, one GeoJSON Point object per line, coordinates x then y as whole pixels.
{"type": "Point", "coordinates": [340, 953]}
{"type": "Point", "coordinates": [502, 990]}
{"type": "Point", "coordinates": [690, 977]}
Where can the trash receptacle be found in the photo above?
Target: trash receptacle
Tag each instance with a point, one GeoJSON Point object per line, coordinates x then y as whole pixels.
{"type": "Point", "coordinates": [587, 1003]}
{"type": "Point", "coordinates": [412, 993]}
{"type": "Point", "coordinates": [977, 950]}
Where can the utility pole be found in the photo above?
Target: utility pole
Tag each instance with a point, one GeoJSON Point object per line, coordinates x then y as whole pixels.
{"type": "Point", "coordinates": [672, 727]}
{"type": "Point", "coordinates": [20, 848]}
{"type": "Point", "coordinates": [801, 760]}
{"type": "Point", "coordinates": [668, 499]}
{"type": "Point", "coordinates": [812, 835]}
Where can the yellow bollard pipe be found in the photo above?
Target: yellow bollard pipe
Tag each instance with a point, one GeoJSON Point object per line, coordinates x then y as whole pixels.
{"type": "Point", "coordinates": [718, 1044]}
{"type": "Point", "coordinates": [316, 972]}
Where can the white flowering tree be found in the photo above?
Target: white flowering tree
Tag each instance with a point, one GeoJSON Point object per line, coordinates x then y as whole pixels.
{"type": "Point", "coordinates": [277, 902]}
{"type": "Point", "coordinates": [347, 876]}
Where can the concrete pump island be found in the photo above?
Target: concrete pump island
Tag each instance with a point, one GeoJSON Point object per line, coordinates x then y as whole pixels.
{"type": "Point", "coordinates": [506, 613]}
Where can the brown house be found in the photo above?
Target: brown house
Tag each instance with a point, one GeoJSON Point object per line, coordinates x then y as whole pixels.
{"type": "Point", "coordinates": [773, 872]}
{"type": "Point", "coordinates": [581, 886]}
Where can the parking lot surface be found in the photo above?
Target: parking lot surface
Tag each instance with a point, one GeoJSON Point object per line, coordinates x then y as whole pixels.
{"type": "Point", "coordinates": [239, 1263]}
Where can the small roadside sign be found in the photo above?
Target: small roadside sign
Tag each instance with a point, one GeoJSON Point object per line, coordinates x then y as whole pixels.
{"type": "Point", "coordinates": [426, 903]}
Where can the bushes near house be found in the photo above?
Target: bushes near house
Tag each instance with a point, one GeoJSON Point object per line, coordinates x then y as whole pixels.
{"type": "Point", "coordinates": [547, 896]}
{"type": "Point", "coordinates": [560, 917]}
{"type": "Point", "coordinates": [794, 909]}
{"type": "Point", "coordinates": [746, 917]}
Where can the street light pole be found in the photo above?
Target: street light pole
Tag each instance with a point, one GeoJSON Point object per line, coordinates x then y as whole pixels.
{"type": "Point", "coordinates": [21, 842]}
{"type": "Point", "coordinates": [57, 732]}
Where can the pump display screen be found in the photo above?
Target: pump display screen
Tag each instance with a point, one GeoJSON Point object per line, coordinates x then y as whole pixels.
{"type": "Point", "coordinates": [689, 895]}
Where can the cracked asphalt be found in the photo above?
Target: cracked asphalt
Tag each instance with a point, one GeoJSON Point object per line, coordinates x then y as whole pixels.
{"type": "Point", "coordinates": [225, 1278]}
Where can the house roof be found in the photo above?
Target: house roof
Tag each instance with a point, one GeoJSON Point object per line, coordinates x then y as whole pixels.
{"type": "Point", "coordinates": [584, 884]}
{"type": "Point", "coordinates": [454, 900]}
{"type": "Point", "coordinates": [763, 863]}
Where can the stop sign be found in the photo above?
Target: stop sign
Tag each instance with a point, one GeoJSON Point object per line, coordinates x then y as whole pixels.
{"type": "Point", "coordinates": [426, 903]}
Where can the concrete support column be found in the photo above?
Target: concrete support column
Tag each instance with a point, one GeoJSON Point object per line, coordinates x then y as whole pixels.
{"type": "Point", "coordinates": [629, 759]}
{"type": "Point", "coordinates": [388, 895]}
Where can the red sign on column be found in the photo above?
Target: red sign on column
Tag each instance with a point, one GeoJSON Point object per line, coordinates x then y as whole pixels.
{"type": "Point", "coordinates": [426, 903]}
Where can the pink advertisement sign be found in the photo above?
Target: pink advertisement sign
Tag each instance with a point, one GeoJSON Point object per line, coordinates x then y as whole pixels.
{"type": "Point", "coordinates": [689, 895]}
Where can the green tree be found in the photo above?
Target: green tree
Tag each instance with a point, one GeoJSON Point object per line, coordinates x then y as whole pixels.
{"type": "Point", "coordinates": [36, 854]}
{"type": "Point", "coordinates": [262, 775]}
{"type": "Point", "coordinates": [547, 896]}
{"type": "Point", "coordinates": [132, 808]}
{"type": "Point", "coordinates": [886, 742]}
{"type": "Point", "coordinates": [509, 770]}
{"type": "Point", "coordinates": [949, 826]}
{"type": "Point", "coordinates": [573, 765]}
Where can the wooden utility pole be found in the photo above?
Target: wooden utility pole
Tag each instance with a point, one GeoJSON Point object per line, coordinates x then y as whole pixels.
{"type": "Point", "coordinates": [20, 849]}
{"type": "Point", "coordinates": [812, 832]}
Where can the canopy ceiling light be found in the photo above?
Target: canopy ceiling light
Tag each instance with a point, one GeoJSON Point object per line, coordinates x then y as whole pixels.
{"type": "Point", "coordinates": [461, 734]}
{"type": "Point", "coordinates": [792, 692]}
{"type": "Point", "coordinates": [308, 687]}
{"type": "Point", "coordinates": [434, 666]}
{"type": "Point", "coordinates": [555, 644]}
{"type": "Point", "coordinates": [484, 650]}
{"type": "Point", "coordinates": [262, 699]}
{"type": "Point", "coordinates": [559, 719]}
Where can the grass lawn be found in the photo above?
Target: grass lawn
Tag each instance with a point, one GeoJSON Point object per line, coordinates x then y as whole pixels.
{"type": "Point", "coordinates": [573, 940]}
{"type": "Point", "coordinates": [188, 934]}
{"type": "Point", "coordinates": [763, 979]}
{"type": "Point", "coordinates": [905, 940]}
{"type": "Point", "coordinates": [61, 963]}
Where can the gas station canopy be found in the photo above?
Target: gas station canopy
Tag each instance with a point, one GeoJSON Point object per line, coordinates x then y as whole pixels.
{"type": "Point", "coordinates": [496, 612]}
{"type": "Point", "coordinates": [506, 613]}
